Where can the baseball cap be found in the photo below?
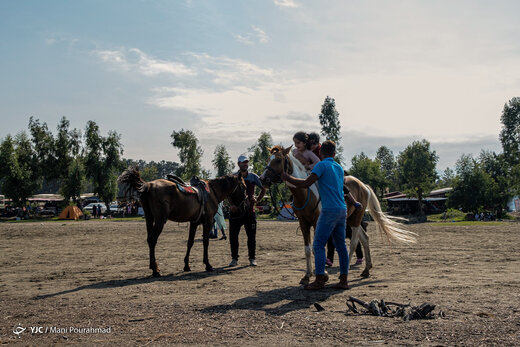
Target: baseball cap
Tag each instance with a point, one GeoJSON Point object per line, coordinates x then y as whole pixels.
{"type": "Point", "coordinates": [242, 158]}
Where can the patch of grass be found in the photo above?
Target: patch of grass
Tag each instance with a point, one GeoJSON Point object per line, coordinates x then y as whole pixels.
{"type": "Point", "coordinates": [125, 219]}
{"type": "Point", "coordinates": [452, 215]}
{"type": "Point", "coordinates": [55, 219]}
{"type": "Point", "coordinates": [469, 223]}
{"type": "Point", "coordinates": [265, 217]}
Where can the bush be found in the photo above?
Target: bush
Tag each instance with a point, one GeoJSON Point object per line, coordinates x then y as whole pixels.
{"type": "Point", "coordinates": [451, 215]}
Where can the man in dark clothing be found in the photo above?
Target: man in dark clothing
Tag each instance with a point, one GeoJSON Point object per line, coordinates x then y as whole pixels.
{"type": "Point", "coordinates": [359, 251]}
{"type": "Point", "coordinates": [247, 218]}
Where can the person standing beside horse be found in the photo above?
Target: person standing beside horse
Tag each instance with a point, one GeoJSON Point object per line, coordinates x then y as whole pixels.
{"type": "Point", "coordinates": [220, 223]}
{"type": "Point", "coordinates": [333, 216]}
{"type": "Point", "coordinates": [247, 218]}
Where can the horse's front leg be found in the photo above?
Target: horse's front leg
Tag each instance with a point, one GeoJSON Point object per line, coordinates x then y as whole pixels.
{"type": "Point", "coordinates": [154, 230]}
{"type": "Point", "coordinates": [306, 232]}
{"type": "Point", "coordinates": [205, 240]}
{"type": "Point", "coordinates": [191, 239]}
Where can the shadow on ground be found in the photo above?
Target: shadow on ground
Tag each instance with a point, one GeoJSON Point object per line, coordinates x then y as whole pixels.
{"type": "Point", "coordinates": [183, 276]}
{"type": "Point", "coordinates": [280, 301]}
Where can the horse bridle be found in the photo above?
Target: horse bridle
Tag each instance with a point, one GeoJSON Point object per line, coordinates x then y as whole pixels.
{"type": "Point", "coordinates": [277, 175]}
{"type": "Point", "coordinates": [279, 180]}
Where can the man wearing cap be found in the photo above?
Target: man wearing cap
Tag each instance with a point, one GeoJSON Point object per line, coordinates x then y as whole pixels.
{"type": "Point", "coordinates": [246, 218]}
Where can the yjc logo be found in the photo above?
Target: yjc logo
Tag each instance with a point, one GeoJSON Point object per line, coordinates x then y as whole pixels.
{"type": "Point", "coordinates": [36, 330]}
{"type": "Point", "coordinates": [17, 330]}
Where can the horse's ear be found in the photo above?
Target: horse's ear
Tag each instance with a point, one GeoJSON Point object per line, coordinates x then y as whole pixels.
{"type": "Point", "coordinates": [269, 149]}
{"type": "Point", "coordinates": [287, 150]}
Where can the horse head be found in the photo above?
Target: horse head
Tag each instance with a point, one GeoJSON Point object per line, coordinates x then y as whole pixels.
{"type": "Point", "coordinates": [278, 162]}
{"type": "Point", "coordinates": [238, 196]}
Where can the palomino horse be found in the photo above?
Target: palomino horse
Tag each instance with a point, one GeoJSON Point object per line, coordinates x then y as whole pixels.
{"type": "Point", "coordinates": [162, 200]}
{"type": "Point", "coordinates": [307, 207]}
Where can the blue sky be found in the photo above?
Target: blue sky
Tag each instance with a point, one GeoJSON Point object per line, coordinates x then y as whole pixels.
{"type": "Point", "coordinates": [399, 71]}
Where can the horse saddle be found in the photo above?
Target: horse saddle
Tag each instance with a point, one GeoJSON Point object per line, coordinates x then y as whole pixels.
{"type": "Point", "coordinates": [196, 186]}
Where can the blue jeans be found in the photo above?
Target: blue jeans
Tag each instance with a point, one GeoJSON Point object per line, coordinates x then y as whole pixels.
{"type": "Point", "coordinates": [331, 222]}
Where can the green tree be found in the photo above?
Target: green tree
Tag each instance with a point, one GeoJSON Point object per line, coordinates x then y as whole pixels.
{"type": "Point", "coordinates": [149, 173]}
{"type": "Point", "coordinates": [416, 170]}
{"type": "Point", "coordinates": [43, 143]}
{"type": "Point", "coordinates": [166, 167]}
{"type": "Point", "coordinates": [472, 186]}
{"type": "Point", "coordinates": [222, 161]}
{"type": "Point", "coordinates": [19, 175]}
{"type": "Point", "coordinates": [67, 146]}
{"type": "Point", "coordinates": [369, 172]}
{"type": "Point", "coordinates": [74, 181]}
{"type": "Point", "coordinates": [504, 181]}
{"type": "Point", "coordinates": [44, 146]}
{"type": "Point", "coordinates": [190, 153]}
{"type": "Point", "coordinates": [447, 179]}
{"type": "Point", "coordinates": [260, 152]}
{"type": "Point", "coordinates": [103, 161]}
{"type": "Point", "coordinates": [510, 133]}
{"type": "Point", "coordinates": [330, 125]}
{"type": "Point", "coordinates": [388, 166]}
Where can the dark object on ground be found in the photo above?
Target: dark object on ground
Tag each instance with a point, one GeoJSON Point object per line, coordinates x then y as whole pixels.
{"type": "Point", "coordinates": [318, 307]}
{"type": "Point", "coordinates": [392, 309]}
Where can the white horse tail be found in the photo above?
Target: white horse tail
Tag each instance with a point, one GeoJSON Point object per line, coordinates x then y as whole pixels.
{"type": "Point", "coordinates": [390, 228]}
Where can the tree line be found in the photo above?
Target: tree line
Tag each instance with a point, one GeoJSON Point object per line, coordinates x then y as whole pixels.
{"type": "Point", "coordinates": [70, 162]}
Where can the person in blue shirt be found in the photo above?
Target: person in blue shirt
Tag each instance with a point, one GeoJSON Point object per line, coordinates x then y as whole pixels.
{"type": "Point", "coordinates": [333, 216]}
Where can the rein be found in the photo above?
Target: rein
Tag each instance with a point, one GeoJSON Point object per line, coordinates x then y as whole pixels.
{"type": "Point", "coordinates": [241, 206]}
{"type": "Point", "coordinates": [279, 180]}
{"type": "Point", "coordinates": [305, 204]}
{"type": "Point", "coordinates": [276, 175]}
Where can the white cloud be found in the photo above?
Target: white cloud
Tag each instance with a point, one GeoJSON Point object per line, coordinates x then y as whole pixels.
{"type": "Point", "coordinates": [59, 38]}
{"type": "Point", "coordinates": [246, 40]}
{"type": "Point", "coordinates": [257, 36]}
{"type": "Point", "coordinates": [136, 60]}
{"type": "Point", "coordinates": [262, 36]}
{"type": "Point", "coordinates": [286, 3]}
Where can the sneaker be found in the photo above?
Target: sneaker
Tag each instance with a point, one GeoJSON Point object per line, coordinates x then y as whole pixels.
{"type": "Point", "coordinates": [328, 262]}
{"type": "Point", "coordinates": [234, 262]}
{"type": "Point", "coordinates": [359, 261]}
{"type": "Point", "coordinates": [252, 262]}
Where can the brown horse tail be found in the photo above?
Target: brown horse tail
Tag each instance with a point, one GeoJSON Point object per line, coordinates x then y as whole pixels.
{"type": "Point", "coordinates": [392, 229]}
{"type": "Point", "coordinates": [133, 180]}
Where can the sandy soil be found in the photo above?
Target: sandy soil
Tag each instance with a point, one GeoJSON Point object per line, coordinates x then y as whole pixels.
{"type": "Point", "coordinates": [59, 278]}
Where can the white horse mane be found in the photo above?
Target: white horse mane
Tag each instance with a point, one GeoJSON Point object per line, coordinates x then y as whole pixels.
{"type": "Point", "coordinates": [299, 171]}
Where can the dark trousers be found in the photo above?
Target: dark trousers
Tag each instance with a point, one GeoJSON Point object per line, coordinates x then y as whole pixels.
{"type": "Point", "coordinates": [248, 220]}
{"type": "Point", "coordinates": [330, 243]}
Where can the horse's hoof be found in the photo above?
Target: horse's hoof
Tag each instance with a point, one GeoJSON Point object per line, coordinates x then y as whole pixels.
{"type": "Point", "coordinates": [365, 274]}
{"type": "Point", "coordinates": [305, 281]}
{"type": "Point", "coordinates": [209, 268]}
{"type": "Point", "coordinates": [187, 268]}
{"type": "Point", "coordinates": [156, 274]}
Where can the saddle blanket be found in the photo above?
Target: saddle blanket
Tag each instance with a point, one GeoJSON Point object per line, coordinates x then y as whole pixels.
{"type": "Point", "coordinates": [187, 189]}
{"type": "Point", "coordinates": [192, 190]}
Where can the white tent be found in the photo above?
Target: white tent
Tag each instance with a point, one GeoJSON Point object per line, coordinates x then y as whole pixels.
{"type": "Point", "coordinates": [286, 213]}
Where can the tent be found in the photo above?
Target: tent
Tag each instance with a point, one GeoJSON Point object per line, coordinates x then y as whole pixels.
{"type": "Point", "coordinates": [70, 212]}
{"type": "Point", "coordinates": [286, 213]}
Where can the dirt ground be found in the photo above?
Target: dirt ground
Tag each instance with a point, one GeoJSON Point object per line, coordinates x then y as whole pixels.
{"type": "Point", "coordinates": [57, 278]}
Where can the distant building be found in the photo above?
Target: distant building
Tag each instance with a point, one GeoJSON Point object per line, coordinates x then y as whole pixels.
{"type": "Point", "coordinates": [434, 202]}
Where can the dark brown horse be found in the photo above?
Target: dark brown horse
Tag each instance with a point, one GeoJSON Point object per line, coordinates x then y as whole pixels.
{"type": "Point", "coordinates": [162, 200]}
{"type": "Point", "coordinates": [307, 208]}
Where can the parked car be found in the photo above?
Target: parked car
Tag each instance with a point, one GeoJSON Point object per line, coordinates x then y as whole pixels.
{"type": "Point", "coordinates": [98, 204]}
{"type": "Point", "coordinates": [115, 209]}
